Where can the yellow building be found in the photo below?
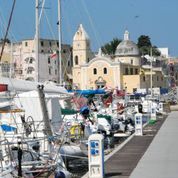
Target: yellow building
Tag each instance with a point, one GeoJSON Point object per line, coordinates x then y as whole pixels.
{"type": "Point", "coordinates": [123, 71]}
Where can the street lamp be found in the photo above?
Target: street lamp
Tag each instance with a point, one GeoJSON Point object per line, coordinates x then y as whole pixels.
{"type": "Point", "coordinates": [151, 76]}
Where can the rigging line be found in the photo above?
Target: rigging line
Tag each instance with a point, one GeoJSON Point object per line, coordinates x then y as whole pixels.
{"type": "Point", "coordinates": [3, 24]}
{"type": "Point", "coordinates": [91, 23]}
{"type": "Point", "coordinates": [50, 26]}
{"type": "Point", "coordinates": [4, 41]}
{"type": "Point", "coordinates": [40, 16]}
{"type": "Point", "coordinates": [68, 59]}
{"type": "Point", "coordinates": [42, 10]}
{"type": "Point", "coordinates": [74, 5]}
{"type": "Point", "coordinates": [67, 21]}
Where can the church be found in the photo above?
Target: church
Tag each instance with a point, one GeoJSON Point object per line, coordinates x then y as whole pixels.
{"type": "Point", "coordinates": [123, 71]}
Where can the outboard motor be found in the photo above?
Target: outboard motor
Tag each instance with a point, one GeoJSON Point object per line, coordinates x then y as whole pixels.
{"type": "Point", "coordinates": [84, 111]}
{"type": "Point", "coordinates": [60, 174]}
{"type": "Point", "coordinates": [140, 108]}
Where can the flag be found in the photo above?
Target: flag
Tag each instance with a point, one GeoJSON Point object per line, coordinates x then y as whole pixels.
{"type": "Point", "coordinates": [53, 55]}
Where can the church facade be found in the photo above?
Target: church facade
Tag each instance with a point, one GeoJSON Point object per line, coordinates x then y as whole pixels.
{"type": "Point", "coordinates": [124, 71]}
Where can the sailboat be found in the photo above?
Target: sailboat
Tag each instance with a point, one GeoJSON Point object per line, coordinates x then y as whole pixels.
{"type": "Point", "coordinates": [26, 158]}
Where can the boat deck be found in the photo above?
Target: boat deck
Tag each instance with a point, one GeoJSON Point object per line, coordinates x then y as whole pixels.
{"type": "Point", "coordinates": [123, 162]}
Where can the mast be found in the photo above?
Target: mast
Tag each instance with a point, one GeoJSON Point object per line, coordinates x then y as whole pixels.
{"type": "Point", "coordinates": [37, 40]}
{"type": "Point", "coordinates": [59, 77]}
{"type": "Point", "coordinates": [11, 61]}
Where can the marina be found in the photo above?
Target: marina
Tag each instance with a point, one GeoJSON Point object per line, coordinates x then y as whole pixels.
{"type": "Point", "coordinates": [68, 110]}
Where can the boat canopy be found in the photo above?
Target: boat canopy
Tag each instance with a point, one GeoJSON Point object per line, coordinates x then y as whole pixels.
{"type": "Point", "coordinates": [24, 86]}
{"type": "Point", "coordinates": [7, 128]}
{"type": "Point", "coordinates": [67, 111]}
{"type": "Point", "coordinates": [88, 92]}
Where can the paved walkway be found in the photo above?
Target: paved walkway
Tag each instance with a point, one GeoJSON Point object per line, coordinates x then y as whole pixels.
{"type": "Point", "coordinates": [161, 158]}
{"type": "Point", "coordinates": [122, 163]}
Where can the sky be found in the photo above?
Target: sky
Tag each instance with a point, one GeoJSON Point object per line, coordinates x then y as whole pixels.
{"type": "Point", "coordinates": [102, 19]}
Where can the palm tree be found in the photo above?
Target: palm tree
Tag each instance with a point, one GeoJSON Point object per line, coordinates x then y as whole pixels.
{"type": "Point", "coordinates": [110, 48]}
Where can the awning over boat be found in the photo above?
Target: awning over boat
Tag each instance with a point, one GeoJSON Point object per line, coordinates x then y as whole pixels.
{"type": "Point", "coordinates": [7, 128]}
{"type": "Point", "coordinates": [104, 116]}
{"type": "Point", "coordinates": [88, 92]}
{"type": "Point", "coordinates": [11, 110]}
{"type": "Point", "coordinates": [24, 86]}
{"type": "Point", "coordinates": [68, 111]}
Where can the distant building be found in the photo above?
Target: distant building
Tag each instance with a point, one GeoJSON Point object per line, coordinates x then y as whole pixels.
{"type": "Point", "coordinates": [124, 71]}
{"type": "Point", "coordinates": [164, 52]}
{"type": "Point", "coordinates": [24, 60]}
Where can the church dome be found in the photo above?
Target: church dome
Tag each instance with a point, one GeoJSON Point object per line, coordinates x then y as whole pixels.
{"type": "Point", "coordinates": [127, 47]}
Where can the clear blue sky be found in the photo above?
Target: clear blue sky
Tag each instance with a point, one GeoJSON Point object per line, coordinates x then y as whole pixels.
{"type": "Point", "coordinates": [102, 19]}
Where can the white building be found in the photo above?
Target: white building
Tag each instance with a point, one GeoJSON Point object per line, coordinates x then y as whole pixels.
{"type": "Point", "coordinates": [164, 52]}
{"type": "Point", "coordinates": [47, 68]}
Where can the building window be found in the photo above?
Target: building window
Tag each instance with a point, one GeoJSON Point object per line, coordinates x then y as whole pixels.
{"type": "Point", "coordinates": [131, 71]}
{"type": "Point", "coordinates": [57, 44]}
{"type": "Point", "coordinates": [126, 71]}
{"type": "Point", "coordinates": [88, 60]}
{"type": "Point", "coordinates": [30, 70]}
{"type": "Point", "coordinates": [49, 60]}
{"type": "Point", "coordinates": [131, 61]}
{"type": "Point", "coordinates": [42, 51]}
{"type": "Point", "coordinates": [64, 51]}
{"type": "Point", "coordinates": [42, 43]}
{"type": "Point", "coordinates": [55, 71]}
{"type": "Point", "coordinates": [157, 78]}
{"type": "Point", "coordinates": [76, 60]}
{"type": "Point", "coordinates": [94, 71]}
{"type": "Point", "coordinates": [136, 71]}
{"type": "Point", "coordinates": [49, 70]}
{"type": "Point", "coordinates": [26, 43]}
{"type": "Point", "coordinates": [68, 63]}
{"type": "Point", "coordinates": [50, 43]}
{"type": "Point", "coordinates": [105, 70]}
{"type": "Point", "coordinates": [31, 60]}
{"type": "Point", "coordinates": [144, 78]}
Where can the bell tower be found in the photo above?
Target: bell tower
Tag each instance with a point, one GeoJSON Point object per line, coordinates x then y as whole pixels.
{"type": "Point", "coordinates": [81, 47]}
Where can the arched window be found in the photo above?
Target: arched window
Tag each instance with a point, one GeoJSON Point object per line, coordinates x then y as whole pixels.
{"type": "Point", "coordinates": [105, 70]}
{"type": "Point", "coordinates": [76, 60]}
{"type": "Point", "coordinates": [94, 71]}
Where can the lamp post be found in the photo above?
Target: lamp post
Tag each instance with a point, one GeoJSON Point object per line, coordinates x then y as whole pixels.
{"type": "Point", "coordinates": [153, 111]}
{"type": "Point", "coordinates": [151, 76]}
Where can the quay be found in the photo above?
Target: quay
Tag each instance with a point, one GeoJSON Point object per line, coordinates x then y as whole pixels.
{"type": "Point", "coordinates": [161, 158]}
{"type": "Point", "coordinates": [153, 155]}
{"type": "Point", "coordinates": [123, 162]}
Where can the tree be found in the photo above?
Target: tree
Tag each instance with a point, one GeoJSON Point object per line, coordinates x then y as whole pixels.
{"type": "Point", "coordinates": [144, 40]}
{"type": "Point", "coordinates": [110, 48]}
{"type": "Point", "coordinates": [144, 45]}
